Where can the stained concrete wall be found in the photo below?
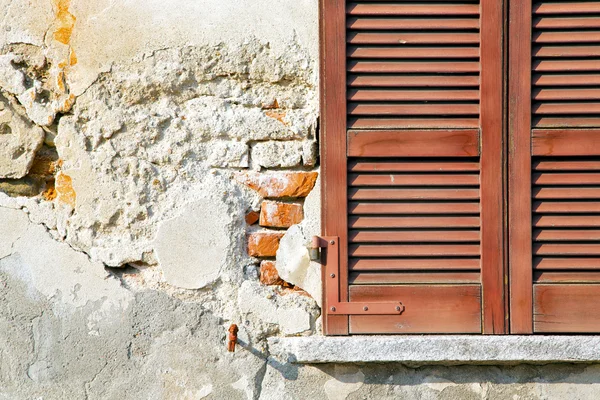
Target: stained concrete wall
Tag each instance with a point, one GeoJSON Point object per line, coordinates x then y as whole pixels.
{"type": "Point", "coordinates": [129, 133]}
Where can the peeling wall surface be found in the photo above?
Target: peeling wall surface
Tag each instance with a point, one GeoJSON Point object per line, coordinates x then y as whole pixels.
{"type": "Point", "coordinates": [159, 182]}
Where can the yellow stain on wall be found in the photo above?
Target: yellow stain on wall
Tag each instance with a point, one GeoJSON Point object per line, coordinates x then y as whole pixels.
{"type": "Point", "coordinates": [65, 21]}
{"type": "Point", "coordinates": [64, 189]}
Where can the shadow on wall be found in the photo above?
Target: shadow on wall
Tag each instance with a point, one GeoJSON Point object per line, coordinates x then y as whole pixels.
{"type": "Point", "coordinates": [396, 381]}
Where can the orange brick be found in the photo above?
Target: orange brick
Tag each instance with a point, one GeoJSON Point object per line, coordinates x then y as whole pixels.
{"type": "Point", "coordinates": [269, 274]}
{"type": "Point", "coordinates": [276, 214]}
{"type": "Point", "coordinates": [279, 184]}
{"type": "Point", "coordinates": [264, 244]}
{"type": "Point", "coordinates": [252, 217]}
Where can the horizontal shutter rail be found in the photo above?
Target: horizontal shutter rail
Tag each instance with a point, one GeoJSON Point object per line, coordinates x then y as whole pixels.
{"type": "Point", "coordinates": [413, 143]}
{"type": "Point", "coordinates": [412, 23]}
{"type": "Point", "coordinates": [571, 263]}
{"type": "Point", "coordinates": [413, 222]}
{"type": "Point", "coordinates": [396, 207]}
{"type": "Point", "coordinates": [413, 179]}
{"type": "Point", "coordinates": [566, 235]}
{"type": "Point", "coordinates": [413, 236]}
{"type": "Point", "coordinates": [462, 52]}
{"type": "Point", "coordinates": [566, 142]}
{"type": "Point", "coordinates": [382, 278]}
{"type": "Point", "coordinates": [423, 250]}
{"type": "Point", "coordinates": [369, 8]}
{"type": "Point", "coordinates": [411, 264]}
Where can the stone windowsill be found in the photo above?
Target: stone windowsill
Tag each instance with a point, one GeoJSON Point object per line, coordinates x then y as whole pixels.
{"type": "Point", "coordinates": [432, 349]}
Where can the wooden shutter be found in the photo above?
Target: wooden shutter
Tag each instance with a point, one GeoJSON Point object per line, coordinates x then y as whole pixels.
{"type": "Point", "coordinates": [412, 169]}
{"type": "Point", "coordinates": [555, 166]}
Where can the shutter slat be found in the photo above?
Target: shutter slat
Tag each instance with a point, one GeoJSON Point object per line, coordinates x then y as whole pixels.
{"type": "Point", "coordinates": [566, 277]}
{"type": "Point", "coordinates": [412, 80]}
{"type": "Point", "coordinates": [566, 165]}
{"type": "Point", "coordinates": [566, 193]}
{"type": "Point", "coordinates": [567, 37]}
{"type": "Point", "coordinates": [565, 65]}
{"type": "Point", "coordinates": [566, 108]}
{"type": "Point", "coordinates": [412, 95]}
{"type": "Point", "coordinates": [560, 249]}
{"type": "Point", "coordinates": [574, 221]}
{"type": "Point", "coordinates": [414, 194]}
{"type": "Point", "coordinates": [566, 51]}
{"type": "Point", "coordinates": [423, 250]}
{"type": "Point", "coordinates": [561, 263]}
{"type": "Point", "coordinates": [411, 264]}
{"type": "Point", "coordinates": [413, 236]}
{"type": "Point", "coordinates": [414, 166]}
{"type": "Point", "coordinates": [566, 23]}
{"type": "Point", "coordinates": [366, 278]}
{"type": "Point", "coordinates": [566, 235]}
{"type": "Point", "coordinates": [413, 180]}
{"type": "Point", "coordinates": [412, 9]}
{"type": "Point", "coordinates": [414, 109]}
{"type": "Point", "coordinates": [566, 79]}
{"type": "Point", "coordinates": [413, 222]}
{"type": "Point", "coordinates": [413, 67]}
{"type": "Point", "coordinates": [412, 123]}
{"type": "Point", "coordinates": [546, 178]}
{"type": "Point", "coordinates": [566, 207]}
{"type": "Point", "coordinates": [413, 208]}
{"type": "Point", "coordinates": [414, 38]}
{"type": "Point", "coordinates": [570, 7]}
{"type": "Point", "coordinates": [362, 23]}
{"type": "Point", "coordinates": [412, 52]}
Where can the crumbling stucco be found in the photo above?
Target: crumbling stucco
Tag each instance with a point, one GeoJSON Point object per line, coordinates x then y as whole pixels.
{"type": "Point", "coordinates": [135, 139]}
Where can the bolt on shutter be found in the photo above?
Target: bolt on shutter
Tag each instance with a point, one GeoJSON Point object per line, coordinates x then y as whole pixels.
{"type": "Point", "coordinates": [555, 215]}
{"type": "Point", "coordinates": [412, 166]}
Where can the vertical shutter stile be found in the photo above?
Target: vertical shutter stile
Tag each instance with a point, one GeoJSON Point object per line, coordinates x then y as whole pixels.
{"type": "Point", "coordinates": [418, 190]}
{"type": "Point", "coordinates": [564, 162]}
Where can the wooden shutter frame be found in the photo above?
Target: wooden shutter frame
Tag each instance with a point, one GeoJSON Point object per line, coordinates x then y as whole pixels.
{"type": "Point", "coordinates": [334, 152]}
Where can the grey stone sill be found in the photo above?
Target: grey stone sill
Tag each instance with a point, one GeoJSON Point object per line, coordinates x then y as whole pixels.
{"type": "Point", "coordinates": [434, 349]}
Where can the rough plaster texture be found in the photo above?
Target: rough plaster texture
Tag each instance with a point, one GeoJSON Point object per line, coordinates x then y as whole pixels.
{"type": "Point", "coordinates": [122, 267]}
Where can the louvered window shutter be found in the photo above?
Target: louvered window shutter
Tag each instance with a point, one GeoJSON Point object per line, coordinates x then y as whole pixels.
{"type": "Point", "coordinates": [412, 123]}
{"type": "Point", "coordinates": [555, 166]}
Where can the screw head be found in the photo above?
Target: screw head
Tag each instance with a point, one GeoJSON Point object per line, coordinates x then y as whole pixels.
{"type": "Point", "coordinates": [332, 242]}
{"type": "Point", "coordinates": [333, 309]}
{"type": "Point", "coordinates": [332, 275]}
{"type": "Point", "coordinates": [398, 308]}
{"type": "Point", "coordinates": [365, 308]}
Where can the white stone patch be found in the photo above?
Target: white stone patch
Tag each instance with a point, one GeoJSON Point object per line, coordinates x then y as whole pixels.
{"type": "Point", "coordinates": [19, 140]}
{"type": "Point", "coordinates": [293, 260]}
{"type": "Point", "coordinates": [346, 380]}
{"type": "Point", "coordinates": [54, 269]}
{"type": "Point", "coordinates": [277, 154]}
{"type": "Point", "coordinates": [294, 321]}
{"type": "Point", "coordinates": [192, 248]}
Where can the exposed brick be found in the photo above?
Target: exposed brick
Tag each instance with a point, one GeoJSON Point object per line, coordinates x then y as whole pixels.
{"type": "Point", "coordinates": [269, 274]}
{"type": "Point", "coordinates": [264, 244]}
{"type": "Point", "coordinates": [252, 217]}
{"type": "Point", "coordinates": [279, 184]}
{"type": "Point", "coordinates": [276, 214]}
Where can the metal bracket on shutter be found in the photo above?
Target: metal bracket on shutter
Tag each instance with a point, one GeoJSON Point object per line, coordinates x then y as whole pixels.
{"type": "Point", "coordinates": [332, 285]}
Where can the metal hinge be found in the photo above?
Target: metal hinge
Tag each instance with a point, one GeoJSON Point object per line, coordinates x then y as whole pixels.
{"type": "Point", "coordinates": [332, 284]}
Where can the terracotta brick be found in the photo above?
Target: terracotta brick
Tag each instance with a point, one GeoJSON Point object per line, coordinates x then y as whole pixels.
{"type": "Point", "coordinates": [264, 244]}
{"type": "Point", "coordinates": [279, 184]}
{"type": "Point", "coordinates": [269, 274]}
{"type": "Point", "coordinates": [276, 214]}
{"type": "Point", "coordinates": [252, 217]}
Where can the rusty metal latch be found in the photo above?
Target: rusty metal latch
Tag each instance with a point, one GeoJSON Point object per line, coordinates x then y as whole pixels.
{"type": "Point", "coordinates": [332, 284]}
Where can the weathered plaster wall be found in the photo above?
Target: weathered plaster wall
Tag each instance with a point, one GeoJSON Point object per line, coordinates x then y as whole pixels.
{"type": "Point", "coordinates": [153, 155]}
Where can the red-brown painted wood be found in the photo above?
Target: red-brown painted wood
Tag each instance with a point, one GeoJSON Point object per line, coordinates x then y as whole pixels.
{"type": "Point", "coordinates": [414, 222]}
{"type": "Point", "coordinates": [562, 308]}
{"type": "Point", "coordinates": [412, 9]}
{"type": "Point", "coordinates": [333, 145]}
{"type": "Point", "coordinates": [416, 264]}
{"type": "Point", "coordinates": [413, 123]}
{"type": "Point", "coordinates": [566, 142]}
{"type": "Point", "coordinates": [374, 208]}
{"type": "Point", "coordinates": [519, 166]}
{"type": "Point", "coordinates": [423, 165]}
{"type": "Point", "coordinates": [412, 52]}
{"type": "Point", "coordinates": [413, 194]}
{"type": "Point", "coordinates": [413, 180]}
{"type": "Point", "coordinates": [414, 236]}
{"type": "Point", "coordinates": [383, 278]}
{"type": "Point", "coordinates": [434, 143]}
{"type": "Point", "coordinates": [428, 309]}
{"type": "Point", "coordinates": [560, 263]}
